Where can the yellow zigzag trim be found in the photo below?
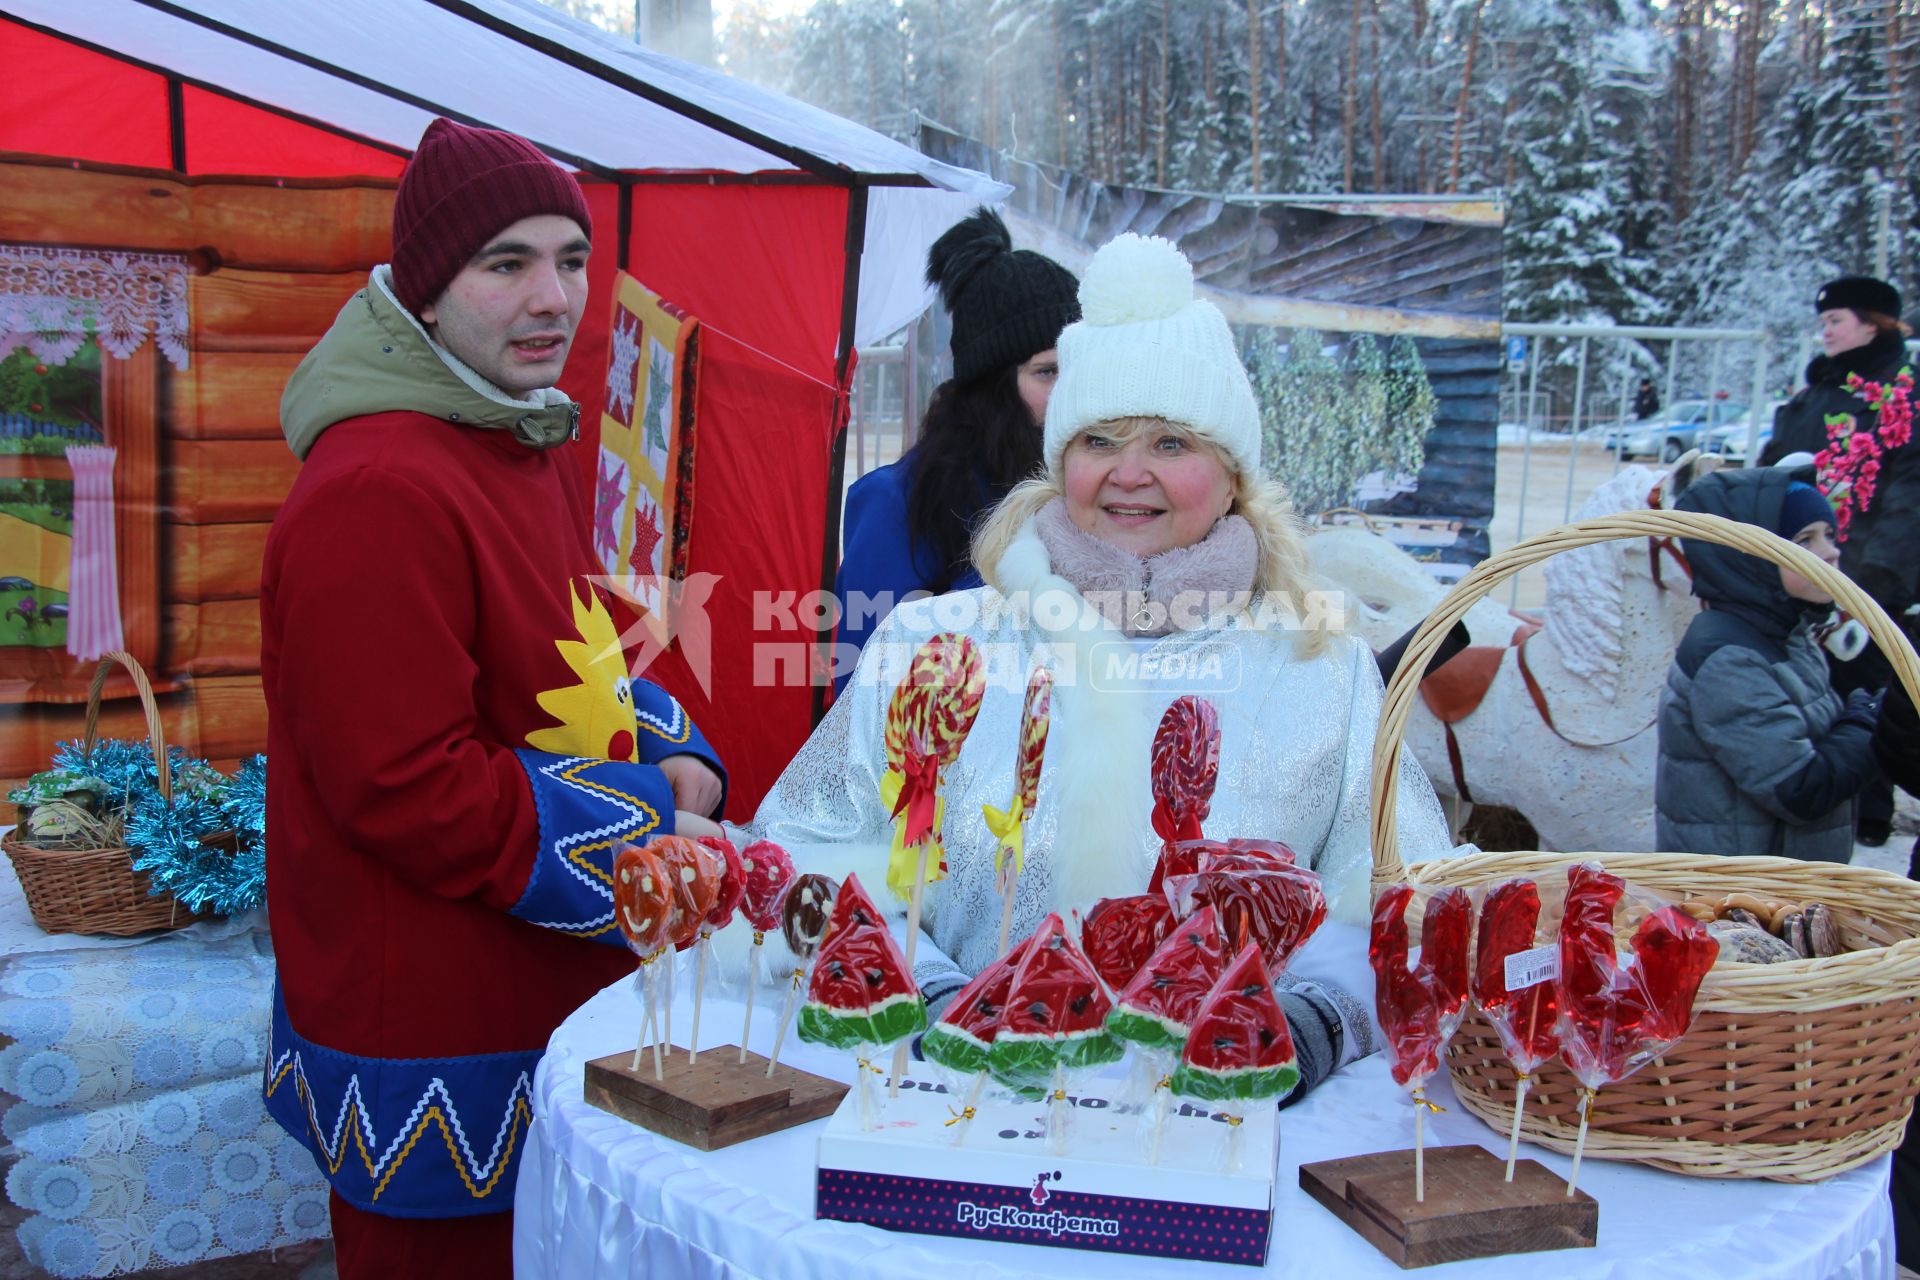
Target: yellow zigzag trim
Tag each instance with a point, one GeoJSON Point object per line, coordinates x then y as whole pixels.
{"type": "Point", "coordinates": [680, 712]}
{"type": "Point", "coordinates": [522, 1116]}
{"type": "Point", "coordinates": [575, 855]}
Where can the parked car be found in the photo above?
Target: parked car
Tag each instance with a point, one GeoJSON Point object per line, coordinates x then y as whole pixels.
{"type": "Point", "coordinates": [1730, 439]}
{"type": "Point", "coordinates": [1672, 431]}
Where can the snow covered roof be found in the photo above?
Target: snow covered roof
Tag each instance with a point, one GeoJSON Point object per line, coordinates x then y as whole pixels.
{"type": "Point", "coordinates": [382, 69]}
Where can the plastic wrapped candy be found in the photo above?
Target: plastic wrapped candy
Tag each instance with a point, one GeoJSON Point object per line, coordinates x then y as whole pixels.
{"type": "Point", "coordinates": [1185, 769]}
{"type": "Point", "coordinates": [1009, 825]}
{"type": "Point", "coordinates": [1446, 937]}
{"type": "Point", "coordinates": [1155, 1010]}
{"type": "Point", "coordinates": [1240, 1050]}
{"type": "Point", "coordinates": [766, 872]}
{"type": "Point", "coordinates": [695, 872]}
{"type": "Point", "coordinates": [642, 901]}
{"type": "Point", "coordinates": [804, 914]}
{"type": "Point", "coordinates": [861, 996]}
{"type": "Point", "coordinates": [1120, 933]}
{"type": "Point", "coordinates": [1408, 1001]}
{"type": "Point", "coordinates": [962, 1039]}
{"type": "Point", "coordinates": [1524, 1018]}
{"type": "Point", "coordinates": [1055, 1022]}
{"type": "Point", "coordinates": [1614, 1017]}
{"type": "Point", "coordinates": [1277, 907]}
{"type": "Point", "coordinates": [733, 884]}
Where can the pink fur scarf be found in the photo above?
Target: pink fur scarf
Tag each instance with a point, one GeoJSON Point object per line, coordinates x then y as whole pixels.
{"type": "Point", "coordinates": [1186, 582]}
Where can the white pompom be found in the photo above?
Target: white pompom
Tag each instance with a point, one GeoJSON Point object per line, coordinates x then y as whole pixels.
{"type": "Point", "coordinates": [1135, 277]}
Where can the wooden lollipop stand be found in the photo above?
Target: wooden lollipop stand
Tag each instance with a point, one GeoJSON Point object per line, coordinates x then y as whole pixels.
{"type": "Point", "coordinates": [1471, 1210]}
{"type": "Point", "coordinates": [713, 1102]}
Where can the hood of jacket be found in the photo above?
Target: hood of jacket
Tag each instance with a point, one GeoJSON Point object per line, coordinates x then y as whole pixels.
{"type": "Point", "coordinates": [1878, 361]}
{"type": "Point", "coordinates": [378, 358]}
{"type": "Point", "coordinates": [1733, 580]}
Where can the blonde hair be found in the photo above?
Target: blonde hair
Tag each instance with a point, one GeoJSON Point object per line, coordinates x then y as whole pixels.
{"type": "Point", "coordinates": [1283, 567]}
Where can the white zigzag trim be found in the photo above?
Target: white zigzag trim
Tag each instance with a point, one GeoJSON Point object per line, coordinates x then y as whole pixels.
{"type": "Point", "coordinates": [610, 830]}
{"type": "Point", "coordinates": [354, 1100]}
{"type": "Point", "coordinates": [665, 728]}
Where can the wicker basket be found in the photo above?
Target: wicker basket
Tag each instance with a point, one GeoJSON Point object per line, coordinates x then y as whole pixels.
{"type": "Point", "coordinates": [1793, 1071]}
{"type": "Point", "coordinates": [97, 890]}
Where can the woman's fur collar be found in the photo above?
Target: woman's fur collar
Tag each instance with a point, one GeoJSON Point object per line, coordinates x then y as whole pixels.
{"type": "Point", "coordinates": [1215, 572]}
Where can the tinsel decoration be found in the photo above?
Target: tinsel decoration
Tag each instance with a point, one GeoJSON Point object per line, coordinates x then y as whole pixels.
{"type": "Point", "coordinates": [208, 850]}
{"type": "Point", "coordinates": [169, 842]}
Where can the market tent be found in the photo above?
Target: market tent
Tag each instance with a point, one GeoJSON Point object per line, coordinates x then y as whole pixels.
{"type": "Point", "coordinates": [794, 236]}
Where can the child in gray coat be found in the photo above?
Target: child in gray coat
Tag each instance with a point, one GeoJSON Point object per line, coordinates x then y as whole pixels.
{"type": "Point", "coordinates": [1758, 754]}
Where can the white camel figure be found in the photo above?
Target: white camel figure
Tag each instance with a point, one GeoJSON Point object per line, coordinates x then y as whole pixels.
{"type": "Point", "coordinates": [1601, 660]}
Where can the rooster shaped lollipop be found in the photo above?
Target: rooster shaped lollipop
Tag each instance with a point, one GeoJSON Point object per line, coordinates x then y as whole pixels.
{"type": "Point", "coordinates": [1615, 1018]}
{"type": "Point", "coordinates": [1420, 1006]}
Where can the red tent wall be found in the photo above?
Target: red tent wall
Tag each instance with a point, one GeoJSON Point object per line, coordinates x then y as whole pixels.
{"type": "Point", "coordinates": [762, 268]}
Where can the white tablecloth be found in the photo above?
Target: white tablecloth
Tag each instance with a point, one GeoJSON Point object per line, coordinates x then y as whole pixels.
{"type": "Point", "coordinates": [601, 1199]}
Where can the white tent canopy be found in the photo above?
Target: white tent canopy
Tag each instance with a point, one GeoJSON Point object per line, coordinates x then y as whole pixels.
{"type": "Point", "coordinates": [381, 69]}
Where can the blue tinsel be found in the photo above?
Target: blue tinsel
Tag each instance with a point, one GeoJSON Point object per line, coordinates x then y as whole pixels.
{"type": "Point", "coordinates": [166, 839]}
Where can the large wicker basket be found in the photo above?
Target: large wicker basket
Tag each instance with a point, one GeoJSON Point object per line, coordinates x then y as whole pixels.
{"type": "Point", "coordinates": [97, 890]}
{"type": "Point", "coordinates": [1793, 1071]}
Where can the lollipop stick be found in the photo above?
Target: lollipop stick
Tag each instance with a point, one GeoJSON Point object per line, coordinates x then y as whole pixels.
{"type": "Point", "coordinates": [653, 999]}
{"type": "Point", "coordinates": [1009, 878]}
{"type": "Point", "coordinates": [1580, 1143]}
{"type": "Point", "coordinates": [646, 1016]}
{"type": "Point", "coordinates": [1161, 1094]}
{"type": "Point", "coordinates": [866, 1094]}
{"type": "Point", "coordinates": [1057, 1114]}
{"type": "Point", "coordinates": [1519, 1105]}
{"type": "Point", "coordinates": [670, 957]}
{"type": "Point", "coordinates": [913, 934]}
{"type": "Point", "coordinates": [699, 990]}
{"type": "Point", "coordinates": [786, 1016]}
{"type": "Point", "coordinates": [753, 974]}
{"type": "Point", "coordinates": [965, 1117]}
{"type": "Point", "coordinates": [1232, 1164]}
{"type": "Point", "coordinates": [1419, 1146]}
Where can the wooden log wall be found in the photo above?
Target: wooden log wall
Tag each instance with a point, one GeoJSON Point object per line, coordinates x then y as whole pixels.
{"type": "Point", "coordinates": [277, 261]}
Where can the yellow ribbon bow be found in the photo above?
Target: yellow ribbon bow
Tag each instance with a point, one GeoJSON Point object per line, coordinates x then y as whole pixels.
{"type": "Point", "coordinates": [903, 863]}
{"type": "Point", "coordinates": [1009, 827]}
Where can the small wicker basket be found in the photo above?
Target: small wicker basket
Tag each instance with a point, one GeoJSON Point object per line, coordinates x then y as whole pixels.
{"type": "Point", "coordinates": [1793, 1071]}
{"type": "Point", "coordinates": [97, 890]}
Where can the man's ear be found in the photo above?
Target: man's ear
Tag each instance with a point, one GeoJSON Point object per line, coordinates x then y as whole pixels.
{"type": "Point", "coordinates": [427, 315]}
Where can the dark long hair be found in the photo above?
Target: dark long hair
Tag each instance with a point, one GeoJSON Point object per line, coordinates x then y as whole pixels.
{"type": "Point", "coordinates": [977, 441]}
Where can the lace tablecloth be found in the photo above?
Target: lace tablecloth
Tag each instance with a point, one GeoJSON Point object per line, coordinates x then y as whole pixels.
{"type": "Point", "coordinates": [139, 1139]}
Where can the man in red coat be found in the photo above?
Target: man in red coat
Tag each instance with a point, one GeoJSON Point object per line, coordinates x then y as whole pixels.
{"type": "Point", "coordinates": [458, 747]}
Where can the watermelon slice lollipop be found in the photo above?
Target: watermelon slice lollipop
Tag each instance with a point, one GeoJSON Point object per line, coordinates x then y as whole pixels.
{"type": "Point", "coordinates": [861, 995]}
{"type": "Point", "coordinates": [960, 1041]}
{"type": "Point", "coordinates": [1240, 1049]}
{"type": "Point", "coordinates": [1156, 1009]}
{"type": "Point", "coordinates": [1056, 1014]}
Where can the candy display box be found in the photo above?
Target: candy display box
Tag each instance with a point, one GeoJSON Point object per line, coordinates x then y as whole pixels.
{"type": "Point", "coordinates": [1002, 1183]}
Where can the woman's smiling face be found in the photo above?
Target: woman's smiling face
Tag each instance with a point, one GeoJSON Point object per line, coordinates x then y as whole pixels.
{"type": "Point", "coordinates": [1146, 487]}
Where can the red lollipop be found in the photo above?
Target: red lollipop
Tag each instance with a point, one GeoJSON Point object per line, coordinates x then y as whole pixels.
{"type": "Point", "coordinates": [1524, 1019]}
{"type": "Point", "coordinates": [1186, 765]}
{"type": "Point", "coordinates": [1408, 999]}
{"type": "Point", "coordinates": [1278, 907]}
{"type": "Point", "coordinates": [1445, 935]}
{"type": "Point", "coordinates": [642, 900]}
{"type": "Point", "coordinates": [1616, 1018]}
{"type": "Point", "coordinates": [1120, 934]}
{"type": "Point", "coordinates": [733, 883]}
{"type": "Point", "coordinates": [768, 871]}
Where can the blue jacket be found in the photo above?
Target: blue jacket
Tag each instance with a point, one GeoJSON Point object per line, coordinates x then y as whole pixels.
{"type": "Point", "coordinates": [879, 563]}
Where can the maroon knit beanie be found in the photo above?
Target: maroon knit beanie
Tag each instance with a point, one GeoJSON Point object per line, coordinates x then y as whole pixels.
{"type": "Point", "coordinates": [463, 186]}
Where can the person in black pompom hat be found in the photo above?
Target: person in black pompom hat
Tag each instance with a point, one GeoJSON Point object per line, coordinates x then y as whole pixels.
{"type": "Point", "coordinates": [907, 524]}
{"type": "Point", "coordinates": [1861, 333]}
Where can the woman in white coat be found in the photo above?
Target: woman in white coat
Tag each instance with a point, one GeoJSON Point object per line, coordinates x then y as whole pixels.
{"type": "Point", "coordinates": [1152, 558]}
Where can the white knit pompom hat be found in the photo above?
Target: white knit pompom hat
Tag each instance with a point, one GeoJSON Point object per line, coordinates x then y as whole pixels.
{"type": "Point", "coordinates": [1144, 346]}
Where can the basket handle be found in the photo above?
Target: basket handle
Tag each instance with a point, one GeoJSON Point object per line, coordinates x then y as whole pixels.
{"type": "Point", "coordinates": [1403, 688]}
{"type": "Point", "coordinates": [156, 735]}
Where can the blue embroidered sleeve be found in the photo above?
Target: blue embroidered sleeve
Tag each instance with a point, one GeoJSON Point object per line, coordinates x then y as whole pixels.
{"type": "Point", "coordinates": [587, 809]}
{"type": "Point", "coordinates": [663, 728]}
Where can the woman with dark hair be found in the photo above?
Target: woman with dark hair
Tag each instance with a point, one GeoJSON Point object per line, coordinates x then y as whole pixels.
{"type": "Point", "coordinates": [907, 525]}
{"type": "Point", "coordinates": [1861, 333]}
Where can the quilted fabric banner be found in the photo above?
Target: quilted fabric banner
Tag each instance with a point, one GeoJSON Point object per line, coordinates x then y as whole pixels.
{"type": "Point", "coordinates": [643, 487]}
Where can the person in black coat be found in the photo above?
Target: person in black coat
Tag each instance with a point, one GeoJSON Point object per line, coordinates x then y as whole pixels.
{"type": "Point", "coordinates": [1646, 401]}
{"type": "Point", "coordinates": [1861, 333]}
